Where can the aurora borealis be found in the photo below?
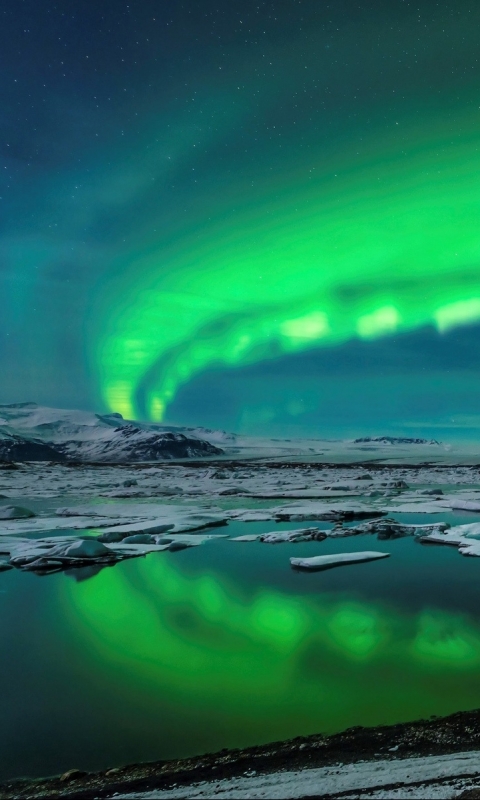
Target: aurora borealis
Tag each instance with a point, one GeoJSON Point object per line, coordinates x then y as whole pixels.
{"type": "Point", "coordinates": [256, 215]}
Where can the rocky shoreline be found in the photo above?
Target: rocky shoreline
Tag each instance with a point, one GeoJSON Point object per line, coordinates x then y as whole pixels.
{"type": "Point", "coordinates": [446, 736]}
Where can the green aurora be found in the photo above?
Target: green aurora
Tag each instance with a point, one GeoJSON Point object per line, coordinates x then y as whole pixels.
{"type": "Point", "coordinates": [376, 237]}
{"type": "Point", "coordinates": [195, 197]}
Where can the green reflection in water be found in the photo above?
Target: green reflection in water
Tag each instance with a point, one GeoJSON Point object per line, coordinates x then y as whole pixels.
{"type": "Point", "coordinates": [269, 664]}
{"type": "Point", "coordinates": [442, 640]}
{"type": "Point", "coordinates": [357, 630]}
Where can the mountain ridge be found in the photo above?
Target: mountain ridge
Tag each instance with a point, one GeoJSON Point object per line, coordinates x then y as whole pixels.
{"type": "Point", "coordinates": [29, 432]}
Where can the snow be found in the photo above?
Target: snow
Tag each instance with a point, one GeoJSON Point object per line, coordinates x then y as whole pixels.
{"type": "Point", "coordinates": [465, 505]}
{"type": "Point", "coordinates": [15, 512]}
{"type": "Point", "coordinates": [360, 777]}
{"type": "Point", "coordinates": [297, 535]}
{"type": "Point", "coordinates": [336, 560]}
{"type": "Point", "coordinates": [86, 548]}
{"type": "Point", "coordinates": [84, 432]}
{"type": "Point", "coordinates": [417, 508]}
{"type": "Point", "coordinates": [180, 499]}
{"type": "Point", "coordinates": [311, 511]}
{"type": "Point", "coordinates": [60, 552]}
{"type": "Point", "coordinates": [86, 436]}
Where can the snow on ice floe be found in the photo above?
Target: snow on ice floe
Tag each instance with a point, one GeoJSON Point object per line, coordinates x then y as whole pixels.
{"type": "Point", "coordinates": [311, 511]}
{"type": "Point", "coordinates": [318, 563]}
{"type": "Point", "coordinates": [299, 535]}
{"type": "Point", "coordinates": [122, 519]}
{"type": "Point", "coordinates": [384, 528]}
{"type": "Point", "coordinates": [465, 537]}
{"type": "Point", "coordinates": [147, 517]}
{"type": "Point", "coordinates": [15, 512]}
{"type": "Point", "coordinates": [418, 508]}
{"type": "Point", "coordinates": [276, 537]}
{"type": "Point", "coordinates": [159, 502]}
{"type": "Point", "coordinates": [308, 511]}
{"type": "Point", "coordinates": [464, 505]}
{"type": "Point", "coordinates": [57, 554]}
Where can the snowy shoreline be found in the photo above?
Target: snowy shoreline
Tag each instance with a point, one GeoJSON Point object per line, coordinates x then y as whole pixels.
{"type": "Point", "coordinates": [437, 758]}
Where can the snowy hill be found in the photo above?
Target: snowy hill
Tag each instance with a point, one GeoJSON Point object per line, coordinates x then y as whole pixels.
{"type": "Point", "coordinates": [31, 432]}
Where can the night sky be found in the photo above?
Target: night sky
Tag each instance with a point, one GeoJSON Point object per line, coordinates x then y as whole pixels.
{"type": "Point", "coordinates": [262, 216]}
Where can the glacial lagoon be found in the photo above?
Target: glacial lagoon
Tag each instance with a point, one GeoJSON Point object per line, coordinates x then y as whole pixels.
{"type": "Point", "coordinates": [224, 646]}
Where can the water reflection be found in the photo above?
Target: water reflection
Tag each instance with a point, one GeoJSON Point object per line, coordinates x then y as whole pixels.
{"type": "Point", "coordinates": [205, 639]}
{"type": "Point", "coordinates": [224, 645]}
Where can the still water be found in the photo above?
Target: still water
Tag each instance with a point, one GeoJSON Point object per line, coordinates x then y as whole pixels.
{"type": "Point", "coordinates": [224, 645]}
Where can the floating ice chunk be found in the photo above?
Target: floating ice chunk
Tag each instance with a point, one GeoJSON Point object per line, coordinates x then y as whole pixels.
{"type": "Point", "coordinates": [249, 537]}
{"type": "Point", "coordinates": [149, 526]}
{"type": "Point", "coordinates": [465, 505]}
{"type": "Point", "coordinates": [470, 549]}
{"type": "Point", "coordinates": [306, 494]}
{"type": "Point", "coordinates": [453, 537]}
{"type": "Point", "coordinates": [139, 538]}
{"type": "Point", "coordinates": [471, 530]}
{"type": "Point", "coordinates": [39, 524]}
{"type": "Point", "coordinates": [419, 508]}
{"type": "Point", "coordinates": [326, 511]}
{"type": "Point", "coordinates": [15, 512]}
{"type": "Point", "coordinates": [86, 548]}
{"type": "Point", "coordinates": [137, 549]}
{"type": "Point", "coordinates": [149, 518]}
{"type": "Point", "coordinates": [250, 515]}
{"type": "Point", "coordinates": [197, 538]}
{"type": "Point", "coordinates": [299, 535]}
{"type": "Point", "coordinates": [336, 560]}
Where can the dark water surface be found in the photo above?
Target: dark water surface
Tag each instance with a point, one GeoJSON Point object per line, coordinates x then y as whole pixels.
{"type": "Point", "coordinates": [224, 645]}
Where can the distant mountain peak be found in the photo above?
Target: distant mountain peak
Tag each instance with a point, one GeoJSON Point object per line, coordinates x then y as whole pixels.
{"type": "Point", "coordinates": [393, 440]}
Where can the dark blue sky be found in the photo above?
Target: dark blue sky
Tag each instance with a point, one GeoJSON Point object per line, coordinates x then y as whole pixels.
{"type": "Point", "coordinates": [136, 135]}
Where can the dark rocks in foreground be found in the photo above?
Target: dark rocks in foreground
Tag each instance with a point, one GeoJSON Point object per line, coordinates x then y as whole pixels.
{"type": "Point", "coordinates": [445, 736]}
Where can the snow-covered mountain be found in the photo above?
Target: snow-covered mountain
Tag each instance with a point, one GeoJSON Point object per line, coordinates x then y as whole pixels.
{"type": "Point", "coordinates": [393, 440]}
{"type": "Point", "coordinates": [29, 432]}
{"type": "Point", "coordinates": [17, 448]}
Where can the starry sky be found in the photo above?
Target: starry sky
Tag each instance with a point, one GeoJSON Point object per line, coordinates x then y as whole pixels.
{"type": "Point", "coordinates": [261, 215]}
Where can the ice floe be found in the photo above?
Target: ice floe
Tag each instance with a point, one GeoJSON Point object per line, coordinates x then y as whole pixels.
{"type": "Point", "coordinates": [317, 563]}
{"type": "Point", "coordinates": [310, 511]}
{"type": "Point", "coordinates": [15, 512]}
{"type": "Point", "coordinates": [55, 554]}
{"type": "Point", "coordinates": [175, 500]}
{"type": "Point", "coordinates": [465, 537]}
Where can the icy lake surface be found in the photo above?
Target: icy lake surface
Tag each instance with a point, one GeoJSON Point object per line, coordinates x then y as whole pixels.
{"type": "Point", "coordinates": [191, 650]}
